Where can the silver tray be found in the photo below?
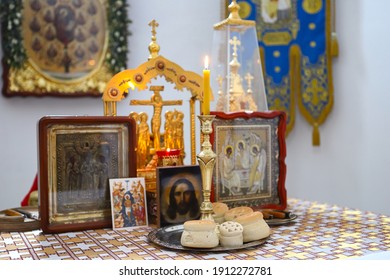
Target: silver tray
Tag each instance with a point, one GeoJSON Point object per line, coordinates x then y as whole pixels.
{"type": "Point", "coordinates": [169, 237]}
{"type": "Point", "coordinates": [279, 222]}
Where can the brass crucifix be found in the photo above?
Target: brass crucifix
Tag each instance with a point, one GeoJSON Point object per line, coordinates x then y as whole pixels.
{"type": "Point", "coordinates": [157, 103]}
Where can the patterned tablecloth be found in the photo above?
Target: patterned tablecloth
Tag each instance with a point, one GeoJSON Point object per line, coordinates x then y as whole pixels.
{"type": "Point", "coordinates": [321, 231]}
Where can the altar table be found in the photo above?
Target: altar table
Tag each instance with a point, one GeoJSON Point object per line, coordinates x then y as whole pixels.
{"type": "Point", "coordinates": [321, 231]}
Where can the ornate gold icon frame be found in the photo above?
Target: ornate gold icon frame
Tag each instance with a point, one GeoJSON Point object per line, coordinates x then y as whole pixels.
{"type": "Point", "coordinates": [65, 48]}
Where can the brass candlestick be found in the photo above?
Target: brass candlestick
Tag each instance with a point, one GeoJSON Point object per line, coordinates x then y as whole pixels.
{"type": "Point", "coordinates": [206, 159]}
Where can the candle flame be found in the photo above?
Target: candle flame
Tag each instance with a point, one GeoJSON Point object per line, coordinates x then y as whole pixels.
{"type": "Point", "coordinates": [206, 62]}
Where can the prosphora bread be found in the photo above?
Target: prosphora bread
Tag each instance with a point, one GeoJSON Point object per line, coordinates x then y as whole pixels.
{"type": "Point", "coordinates": [231, 234]}
{"type": "Point", "coordinates": [254, 226]}
{"type": "Point", "coordinates": [219, 210]}
{"type": "Point", "coordinates": [233, 213]}
{"type": "Point", "coordinates": [199, 234]}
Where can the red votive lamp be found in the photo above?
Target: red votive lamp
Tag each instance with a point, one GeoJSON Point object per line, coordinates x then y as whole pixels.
{"type": "Point", "coordinates": [169, 157]}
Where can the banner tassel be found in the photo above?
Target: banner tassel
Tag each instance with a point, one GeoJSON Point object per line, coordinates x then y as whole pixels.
{"type": "Point", "coordinates": [316, 135]}
{"type": "Point", "coordinates": [334, 45]}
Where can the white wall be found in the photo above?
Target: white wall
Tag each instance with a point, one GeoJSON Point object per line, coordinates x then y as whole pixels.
{"type": "Point", "coordinates": [350, 166]}
{"type": "Point", "coordinates": [348, 169]}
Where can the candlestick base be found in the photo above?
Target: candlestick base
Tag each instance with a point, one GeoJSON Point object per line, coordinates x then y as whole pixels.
{"type": "Point", "coordinates": [206, 159]}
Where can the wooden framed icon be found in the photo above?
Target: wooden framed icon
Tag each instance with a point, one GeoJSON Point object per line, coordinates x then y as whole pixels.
{"type": "Point", "coordinates": [250, 167]}
{"type": "Point", "coordinates": [62, 48]}
{"type": "Point", "coordinates": [179, 194]}
{"type": "Point", "coordinates": [77, 157]}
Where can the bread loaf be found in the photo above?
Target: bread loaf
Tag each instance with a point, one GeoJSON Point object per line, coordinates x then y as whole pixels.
{"type": "Point", "coordinates": [199, 234]}
{"type": "Point", "coordinates": [233, 213]}
{"type": "Point", "coordinates": [219, 210]}
{"type": "Point", "coordinates": [254, 226]}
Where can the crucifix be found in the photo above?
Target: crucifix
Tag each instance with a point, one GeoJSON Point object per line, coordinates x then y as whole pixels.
{"type": "Point", "coordinates": [157, 103]}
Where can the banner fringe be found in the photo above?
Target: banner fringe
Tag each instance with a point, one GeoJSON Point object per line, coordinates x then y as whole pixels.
{"type": "Point", "coordinates": [334, 45]}
{"type": "Point", "coordinates": [316, 135]}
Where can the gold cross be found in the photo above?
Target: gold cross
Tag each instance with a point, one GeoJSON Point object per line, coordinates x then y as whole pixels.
{"type": "Point", "coordinates": [315, 91]}
{"type": "Point", "coordinates": [153, 24]}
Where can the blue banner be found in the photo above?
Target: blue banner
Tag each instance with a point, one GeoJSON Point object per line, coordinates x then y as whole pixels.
{"type": "Point", "coordinates": [296, 47]}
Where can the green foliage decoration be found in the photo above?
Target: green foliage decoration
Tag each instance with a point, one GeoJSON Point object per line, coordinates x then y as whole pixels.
{"type": "Point", "coordinates": [118, 35]}
{"type": "Point", "coordinates": [12, 39]}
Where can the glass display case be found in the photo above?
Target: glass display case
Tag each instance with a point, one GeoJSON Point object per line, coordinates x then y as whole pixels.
{"type": "Point", "coordinates": [236, 71]}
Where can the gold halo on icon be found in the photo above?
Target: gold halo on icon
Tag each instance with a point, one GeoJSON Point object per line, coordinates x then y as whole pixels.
{"type": "Point", "coordinates": [227, 147]}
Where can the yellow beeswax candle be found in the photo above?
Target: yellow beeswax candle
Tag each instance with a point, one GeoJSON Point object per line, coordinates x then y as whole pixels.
{"type": "Point", "coordinates": [206, 88]}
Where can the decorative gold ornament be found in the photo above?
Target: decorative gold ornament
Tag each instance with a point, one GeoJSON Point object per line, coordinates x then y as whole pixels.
{"type": "Point", "coordinates": [149, 142]}
{"type": "Point", "coordinates": [63, 48]}
{"type": "Point", "coordinates": [139, 78]}
{"type": "Point", "coordinates": [233, 18]}
{"type": "Point", "coordinates": [29, 79]}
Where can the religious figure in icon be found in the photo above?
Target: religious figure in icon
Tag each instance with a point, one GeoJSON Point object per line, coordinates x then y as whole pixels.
{"type": "Point", "coordinates": [128, 202]}
{"type": "Point", "coordinates": [242, 162]}
{"type": "Point", "coordinates": [230, 177]}
{"type": "Point", "coordinates": [257, 172]}
{"type": "Point", "coordinates": [157, 103]}
{"type": "Point", "coordinates": [143, 140]}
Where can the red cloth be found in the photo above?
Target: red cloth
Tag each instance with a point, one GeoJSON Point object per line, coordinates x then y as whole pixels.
{"type": "Point", "coordinates": [34, 187]}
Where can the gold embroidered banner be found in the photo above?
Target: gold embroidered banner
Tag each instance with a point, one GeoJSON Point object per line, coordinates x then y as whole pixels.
{"type": "Point", "coordinates": [297, 42]}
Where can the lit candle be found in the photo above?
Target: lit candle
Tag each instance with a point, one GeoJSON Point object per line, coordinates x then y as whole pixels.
{"type": "Point", "coordinates": [206, 88]}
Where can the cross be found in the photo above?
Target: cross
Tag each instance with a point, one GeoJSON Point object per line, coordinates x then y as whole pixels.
{"type": "Point", "coordinates": [315, 90]}
{"type": "Point", "coordinates": [234, 42]}
{"type": "Point", "coordinates": [249, 78]}
{"type": "Point", "coordinates": [157, 103]}
{"type": "Point", "coordinates": [154, 48]}
{"type": "Point", "coordinates": [153, 24]}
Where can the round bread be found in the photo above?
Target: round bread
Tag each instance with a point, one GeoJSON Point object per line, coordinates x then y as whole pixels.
{"type": "Point", "coordinates": [255, 227]}
{"type": "Point", "coordinates": [249, 218]}
{"type": "Point", "coordinates": [199, 234]}
{"type": "Point", "coordinates": [219, 210]}
{"type": "Point", "coordinates": [231, 234]}
{"type": "Point", "coordinates": [199, 225]}
{"type": "Point", "coordinates": [233, 213]}
{"type": "Point", "coordinates": [256, 231]}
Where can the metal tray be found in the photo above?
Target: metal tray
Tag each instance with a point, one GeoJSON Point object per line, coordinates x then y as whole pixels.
{"type": "Point", "coordinates": [279, 222]}
{"type": "Point", "coordinates": [169, 237]}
